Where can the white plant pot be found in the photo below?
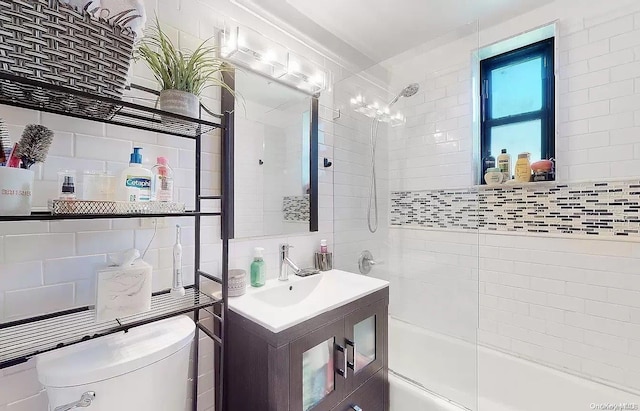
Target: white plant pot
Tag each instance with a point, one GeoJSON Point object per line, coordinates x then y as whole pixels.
{"type": "Point", "coordinates": [179, 102]}
{"type": "Point", "coordinates": [16, 191]}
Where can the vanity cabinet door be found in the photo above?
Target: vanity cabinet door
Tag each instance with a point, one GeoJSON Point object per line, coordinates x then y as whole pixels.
{"type": "Point", "coordinates": [365, 332]}
{"type": "Point", "coordinates": [318, 368]}
{"type": "Point", "coordinates": [369, 397]}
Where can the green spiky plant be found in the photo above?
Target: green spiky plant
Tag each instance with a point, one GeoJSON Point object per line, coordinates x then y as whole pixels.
{"type": "Point", "coordinates": [174, 69]}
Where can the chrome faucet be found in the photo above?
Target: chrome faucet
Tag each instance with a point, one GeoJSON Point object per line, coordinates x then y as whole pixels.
{"type": "Point", "coordinates": [85, 401]}
{"type": "Point", "coordinates": [285, 263]}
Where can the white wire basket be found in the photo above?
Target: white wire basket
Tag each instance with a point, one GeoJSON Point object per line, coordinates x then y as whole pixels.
{"type": "Point", "coordinates": [62, 207]}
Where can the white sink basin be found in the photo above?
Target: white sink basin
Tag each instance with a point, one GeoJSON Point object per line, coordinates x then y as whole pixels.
{"type": "Point", "coordinates": [284, 294]}
{"type": "Point", "coordinates": [279, 305]}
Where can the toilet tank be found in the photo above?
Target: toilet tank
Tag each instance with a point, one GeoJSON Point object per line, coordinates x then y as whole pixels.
{"type": "Point", "coordinates": [144, 369]}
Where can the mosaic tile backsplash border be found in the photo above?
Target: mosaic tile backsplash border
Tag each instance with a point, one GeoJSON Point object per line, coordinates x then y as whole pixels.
{"type": "Point", "coordinates": [598, 208]}
{"type": "Point", "coordinates": [296, 208]}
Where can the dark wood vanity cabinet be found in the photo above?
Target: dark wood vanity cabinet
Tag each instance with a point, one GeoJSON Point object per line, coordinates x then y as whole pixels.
{"type": "Point", "coordinates": [336, 361]}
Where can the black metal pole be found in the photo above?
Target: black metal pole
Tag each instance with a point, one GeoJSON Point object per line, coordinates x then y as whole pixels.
{"type": "Point", "coordinates": [196, 264]}
{"type": "Point", "coordinates": [313, 166]}
{"type": "Point", "coordinates": [228, 105]}
{"type": "Point", "coordinates": [227, 201]}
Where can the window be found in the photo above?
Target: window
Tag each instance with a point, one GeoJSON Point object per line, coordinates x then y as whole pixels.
{"type": "Point", "coordinates": [518, 108]}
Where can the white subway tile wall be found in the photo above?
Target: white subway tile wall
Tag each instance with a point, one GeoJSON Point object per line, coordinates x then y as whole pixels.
{"type": "Point", "coordinates": [573, 306]}
{"type": "Point", "coordinates": [48, 266]}
{"type": "Point", "coordinates": [569, 303]}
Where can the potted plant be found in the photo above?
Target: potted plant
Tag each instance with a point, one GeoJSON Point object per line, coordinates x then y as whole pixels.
{"type": "Point", "coordinates": [182, 76]}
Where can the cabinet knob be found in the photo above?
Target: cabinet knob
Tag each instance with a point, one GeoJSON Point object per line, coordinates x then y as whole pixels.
{"type": "Point", "coordinates": [356, 408]}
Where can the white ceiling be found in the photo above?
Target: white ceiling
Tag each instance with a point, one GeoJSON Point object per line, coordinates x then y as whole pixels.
{"type": "Point", "coordinates": [376, 30]}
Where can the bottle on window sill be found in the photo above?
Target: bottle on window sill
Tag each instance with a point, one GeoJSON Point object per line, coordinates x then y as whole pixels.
{"type": "Point", "coordinates": [504, 164]}
{"type": "Point", "coordinates": [523, 168]}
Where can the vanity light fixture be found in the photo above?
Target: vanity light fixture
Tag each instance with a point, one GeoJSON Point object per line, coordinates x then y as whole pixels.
{"type": "Point", "coordinates": [250, 49]}
{"type": "Point", "coordinates": [304, 74]}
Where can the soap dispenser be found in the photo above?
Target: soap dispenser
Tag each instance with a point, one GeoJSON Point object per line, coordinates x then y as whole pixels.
{"type": "Point", "coordinates": [258, 268]}
{"type": "Point", "coordinates": [135, 181]}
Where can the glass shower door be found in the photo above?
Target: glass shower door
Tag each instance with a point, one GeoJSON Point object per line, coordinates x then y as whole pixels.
{"type": "Point", "coordinates": [427, 241]}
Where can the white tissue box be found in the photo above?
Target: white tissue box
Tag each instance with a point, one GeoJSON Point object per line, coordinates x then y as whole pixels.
{"type": "Point", "coordinates": [123, 291]}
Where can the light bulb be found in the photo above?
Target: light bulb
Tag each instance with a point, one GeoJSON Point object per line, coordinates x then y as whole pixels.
{"type": "Point", "coordinates": [318, 79]}
{"type": "Point", "coordinates": [293, 67]}
{"type": "Point", "coordinates": [269, 56]}
{"type": "Point", "coordinates": [242, 42]}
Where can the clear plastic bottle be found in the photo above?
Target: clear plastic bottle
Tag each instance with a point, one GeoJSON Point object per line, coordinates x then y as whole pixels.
{"type": "Point", "coordinates": [162, 181]}
{"type": "Point", "coordinates": [258, 268]}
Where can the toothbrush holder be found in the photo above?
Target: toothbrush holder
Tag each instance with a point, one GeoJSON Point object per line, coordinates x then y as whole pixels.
{"type": "Point", "coordinates": [16, 191]}
{"type": "Point", "coordinates": [324, 261]}
{"type": "Point", "coordinates": [237, 282]}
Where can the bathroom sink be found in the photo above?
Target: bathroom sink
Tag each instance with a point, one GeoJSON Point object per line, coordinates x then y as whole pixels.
{"type": "Point", "coordinates": [285, 294]}
{"type": "Point", "coordinates": [279, 305]}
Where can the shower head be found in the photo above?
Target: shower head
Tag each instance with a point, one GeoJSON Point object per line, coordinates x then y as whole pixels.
{"type": "Point", "coordinates": [408, 91]}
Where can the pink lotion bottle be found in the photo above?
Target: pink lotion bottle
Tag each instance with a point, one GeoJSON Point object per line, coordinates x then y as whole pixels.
{"type": "Point", "coordinates": [162, 181]}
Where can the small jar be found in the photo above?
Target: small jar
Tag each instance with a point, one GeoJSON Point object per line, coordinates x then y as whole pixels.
{"type": "Point", "coordinates": [493, 177]}
{"type": "Point", "coordinates": [543, 170]}
{"type": "Point", "coordinates": [523, 168]}
{"type": "Point", "coordinates": [237, 282]}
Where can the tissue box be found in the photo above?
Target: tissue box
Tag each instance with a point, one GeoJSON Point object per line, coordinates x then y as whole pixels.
{"type": "Point", "coordinates": [123, 291]}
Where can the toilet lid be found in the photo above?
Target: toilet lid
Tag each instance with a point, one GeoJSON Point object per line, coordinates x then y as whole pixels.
{"type": "Point", "coordinates": [115, 354]}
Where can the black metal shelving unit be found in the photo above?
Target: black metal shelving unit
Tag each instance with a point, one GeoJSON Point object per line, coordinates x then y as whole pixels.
{"type": "Point", "coordinates": [22, 340]}
{"type": "Point", "coordinates": [47, 216]}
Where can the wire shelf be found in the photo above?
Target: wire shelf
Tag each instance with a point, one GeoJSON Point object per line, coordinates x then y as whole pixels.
{"type": "Point", "coordinates": [24, 339]}
{"type": "Point", "coordinates": [48, 216]}
{"type": "Point", "coordinates": [26, 93]}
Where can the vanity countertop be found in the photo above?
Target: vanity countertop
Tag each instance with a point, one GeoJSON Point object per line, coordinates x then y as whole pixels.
{"type": "Point", "coordinates": [279, 305]}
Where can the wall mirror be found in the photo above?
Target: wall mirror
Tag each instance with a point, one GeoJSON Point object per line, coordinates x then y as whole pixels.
{"type": "Point", "coordinates": [275, 167]}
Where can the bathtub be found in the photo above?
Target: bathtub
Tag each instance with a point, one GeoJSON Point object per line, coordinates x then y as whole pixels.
{"type": "Point", "coordinates": [432, 372]}
{"type": "Point", "coordinates": [406, 395]}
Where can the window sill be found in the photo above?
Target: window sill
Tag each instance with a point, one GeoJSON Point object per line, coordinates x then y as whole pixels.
{"type": "Point", "coordinates": [507, 186]}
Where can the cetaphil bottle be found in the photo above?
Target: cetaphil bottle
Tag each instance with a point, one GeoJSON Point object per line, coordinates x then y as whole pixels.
{"type": "Point", "coordinates": [135, 181]}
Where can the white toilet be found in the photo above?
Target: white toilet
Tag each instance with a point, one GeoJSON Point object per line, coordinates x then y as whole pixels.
{"type": "Point", "coordinates": [142, 370]}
